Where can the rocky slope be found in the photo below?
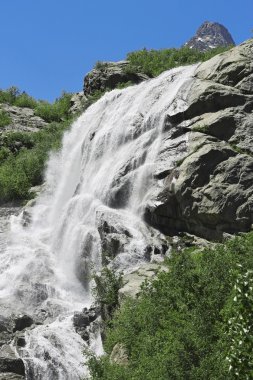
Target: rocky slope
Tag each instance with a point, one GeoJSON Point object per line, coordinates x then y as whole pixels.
{"type": "Point", "coordinates": [21, 119]}
{"type": "Point", "coordinates": [209, 190]}
{"type": "Point", "coordinates": [108, 75]}
{"type": "Point", "coordinates": [210, 35]}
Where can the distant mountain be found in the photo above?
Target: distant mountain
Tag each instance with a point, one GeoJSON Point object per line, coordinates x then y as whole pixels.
{"type": "Point", "coordinates": [210, 35]}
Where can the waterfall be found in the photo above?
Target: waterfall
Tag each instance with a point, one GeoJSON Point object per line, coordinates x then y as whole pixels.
{"type": "Point", "coordinates": [102, 176]}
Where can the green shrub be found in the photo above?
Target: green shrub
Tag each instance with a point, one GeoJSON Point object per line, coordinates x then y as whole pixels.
{"type": "Point", "coordinates": [23, 168]}
{"type": "Point", "coordinates": [57, 111]}
{"type": "Point", "coordinates": [4, 153]}
{"type": "Point", "coordinates": [108, 283]}
{"type": "Point", "coordinates": [120, 86]}
{"type": "Point", "coordinates": [10, 95]}
{"type": "Point", "coordinates": [24, 100]}
{"type": "Point", "coordinates": [177, 328]}
{"type": "Point", "coordinates": [4, 119]}
{"type": "Point", "coordinates": [154, 62]}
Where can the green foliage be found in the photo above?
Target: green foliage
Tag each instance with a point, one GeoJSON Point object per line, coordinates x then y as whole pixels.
{"type": "Point", "coordinates": [57, 111]}
{"type": "Point", "coordinates": [178, 328]}
{"type": "Point", "coordinates": [120, 86]}
{"type": "Point", "coordinates": [154, 62]}
{"type": "Point", "coordinates": [103, 369]}
{"type": "Point", "coordinates": [13, 97]}
{"type": "Point", "coordinates": [23, 156]}
{"type": "Point", "coordinates": [4, 153]}
{"type": "Point", "coordinates": [108, 283]}
{"type": "Point", "coordinates": [4, 119]}
{"type": "Point", "coordinates": [10, 95]}
{"type": "Point", "coordinates": [25, 100]}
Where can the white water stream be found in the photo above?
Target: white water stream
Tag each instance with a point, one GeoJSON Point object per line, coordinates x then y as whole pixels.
{"type": "Point", "coordinates": [103, 172]}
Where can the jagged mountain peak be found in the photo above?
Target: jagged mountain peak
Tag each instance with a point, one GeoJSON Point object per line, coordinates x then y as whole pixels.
{"type": "Point", "coordinates": [209, 36]}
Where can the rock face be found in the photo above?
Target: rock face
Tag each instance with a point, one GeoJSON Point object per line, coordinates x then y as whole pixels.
{"type": "Point", "coordinates": [207, 166]}
{"type": "Point", "coordinates": [77, 102]}
{"type": "Point", "coordinates": [108, 75]}
{"type": "Point", "coordinates": [210, 35]}
{"type": "Point", "coordinates": [119, 355]}
{"type": "Point", "coordinates": [22, 119]}
{"type": "Point", "coordinates": [84, 321]}
{"type": "Point", "coordinates": [133, 280]}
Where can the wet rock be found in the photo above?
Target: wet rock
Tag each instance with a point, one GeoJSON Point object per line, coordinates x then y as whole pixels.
{"type": "Point", "coordinates": [9, 362]}
{"type": "Point", "coordinates": [26, 217]}
{"type": "Point", "coordinates": [6, 330]}
{"type": "Point", "coordinates": [116, 237]}
{"type": "Point", "coordinates": [82, 321]}
{"type": "Point", "coordinates": [21, 322]}
{"type": "Point", "coordinates": [107, 75]}
{"type": "Point", "coordinates": [20, 340]}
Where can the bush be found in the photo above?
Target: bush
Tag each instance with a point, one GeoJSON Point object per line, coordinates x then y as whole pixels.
{"type": "Point", "coordinates": [177, 328]}
{"type": "Point", "coordinates": [24, 100]}
{"type": "Point", "coordinates": [108, 283]}
{"type": "Point", "coordinates": [10, 95]}
{"type": "Point", "coordinates": [154, 62]}
{"type": "Point", "coordinates": [22, 168]}
{"type": "Point", "coordinates": [57, 111]}
{"type": "Point", "coordinates": [4, 119]}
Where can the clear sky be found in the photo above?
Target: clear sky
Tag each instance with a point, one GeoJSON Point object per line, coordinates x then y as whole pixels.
{"type": "Point", "coordinates": [48, 45]}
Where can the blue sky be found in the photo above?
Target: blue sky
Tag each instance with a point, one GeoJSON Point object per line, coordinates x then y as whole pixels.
{"type": "Point", "coordinates": [48, 45]}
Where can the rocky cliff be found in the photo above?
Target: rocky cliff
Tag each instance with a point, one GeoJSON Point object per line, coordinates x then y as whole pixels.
{"type": "Point", "coordinates": [209, 190]}
{"type": "Point", "coordinates": [210, 35]}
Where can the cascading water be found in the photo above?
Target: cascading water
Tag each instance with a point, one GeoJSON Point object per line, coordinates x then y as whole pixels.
{"type": "Point", "coordinates": [102, 175]}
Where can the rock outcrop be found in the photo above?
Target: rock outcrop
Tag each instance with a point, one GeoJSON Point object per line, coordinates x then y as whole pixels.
{"type": "Point", "coordinates": [108, 75]}
{"type": "Point", "coordinates": [210, 35]}
{"type": "Point", "coordinates": [77, 102]}
{"type": "Point", "coordinates": [134, 280]}
{"type": "Point", "coordinates": [207, 169]}
{"type": "Point", "coordinates": [22, 119]}
{"type": "Point", "coordinates": [10, 364]}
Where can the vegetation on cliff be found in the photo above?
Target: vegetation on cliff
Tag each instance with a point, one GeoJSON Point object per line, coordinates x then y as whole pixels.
{"type": "Point", "coordinates": [23, 157]}
{"type": "Point", "coordinates": [154, 62]}
{"type": "Point", "coordinates": [56, 111]}
{"type": "Point", "coordinates": [192, 322]}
